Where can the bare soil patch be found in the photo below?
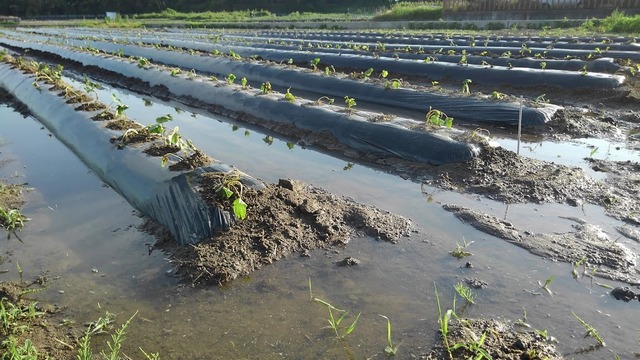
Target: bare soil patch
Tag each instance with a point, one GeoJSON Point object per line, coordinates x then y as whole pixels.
{"type": "Point", "coordinates": [588, 245]}
{"type": "Point", "coordinates": [282, 219]}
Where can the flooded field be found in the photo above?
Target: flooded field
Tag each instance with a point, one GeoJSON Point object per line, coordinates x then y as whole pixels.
{"type": "Point", "coordinates": [86, 240]}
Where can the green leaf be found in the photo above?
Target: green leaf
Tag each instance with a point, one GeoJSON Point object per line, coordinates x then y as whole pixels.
{"type": "Point", "coordinates": [240, 209]}
{"type": "Point", "coordinates": [164, 119]}
{"type": "Point", "coordinates": [225, 192]}
{"type": "Point", "coordinates": [448, 122]}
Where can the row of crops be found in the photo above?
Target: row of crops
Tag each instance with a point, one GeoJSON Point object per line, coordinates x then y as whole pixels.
{"type": "Point", "coordinates": [371, 97]}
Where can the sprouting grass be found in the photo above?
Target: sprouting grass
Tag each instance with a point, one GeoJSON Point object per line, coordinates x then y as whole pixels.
{"type": "Point", "coordinates": [591, 331]}
{"type": "Point", "coordinates": [443, 320]}
{"type": "Point", "coordinates": [465, 292]}
{"type": "Point", "coordinates": [11, 219]}
{"type": "Point", "coordinates": [546, 284]}
{"type": "Point", "coordinates": [334, 323]}
{"type": "Point", "coordinates": [390, 350]}
{"type": "Point", "coordinates": [460, 251]}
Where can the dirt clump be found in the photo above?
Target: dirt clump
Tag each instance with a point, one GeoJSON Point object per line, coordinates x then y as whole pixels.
{"type": "Point", "coordinates": [282, 219]}
{"type": "Point", "coordinates": [587, 245]}
{"type": "Point", "coordinates": [501, 341]}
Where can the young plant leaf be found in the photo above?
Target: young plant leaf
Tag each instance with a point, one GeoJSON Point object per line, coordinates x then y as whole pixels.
{"type": "Point", "coordinates": [240, 209]}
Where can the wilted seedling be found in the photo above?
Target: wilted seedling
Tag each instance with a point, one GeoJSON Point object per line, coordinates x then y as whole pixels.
{"type": "Point", "coordinates": [497, 95]}
{"type": "Point", "coordinates": [438, 118]}
{"type": "Point", "coordinates": [460, 251]}
{"type": "Point", "coordinates": [289, 96]}
{"type": "Point", "coordinates": [231, 188]}
{"type": "Point", "coordinates": [322, 99]}
{"type": "Point", "coordinates": [465, 86]}
{"type": "Point", "coordinates": [541, 99]}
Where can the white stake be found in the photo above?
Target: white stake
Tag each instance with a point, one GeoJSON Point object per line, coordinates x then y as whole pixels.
{"type": "Point", "coordinates": [519, 125]}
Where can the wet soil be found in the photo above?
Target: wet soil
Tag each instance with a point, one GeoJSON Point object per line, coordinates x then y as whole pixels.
{"type": "Point", "coordinates": [590, 247]}
{"type": "Point", "coordinates": [501, 341]}
{"type": "Point", "coordinates": [290, 217]}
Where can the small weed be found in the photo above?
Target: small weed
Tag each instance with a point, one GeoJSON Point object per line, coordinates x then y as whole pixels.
{"type": "Point", "coordinates": [465, 292]}
{"type": "Point", "coordinates": [390, 350]}
{"type": "Point", "coordinates": [460, 251]}
{"type": "Point", "coordinates": [443, 320]}
{"type": "Point", "coordinates": [12, 219]}
{"type": "Point", "coordinates": [334, 323]}
{"type": "Point", "coordinates": [546, 284]}
{"type": "Point", "coordinates": [591, 331]}
{"type": "Point", "coordinates": [476, 347]}
{"type": "Point", "coordinates": [576, 265]}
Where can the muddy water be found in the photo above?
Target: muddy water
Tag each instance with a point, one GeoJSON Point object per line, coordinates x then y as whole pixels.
{"type": "Point", "coordinates": [85, 233]}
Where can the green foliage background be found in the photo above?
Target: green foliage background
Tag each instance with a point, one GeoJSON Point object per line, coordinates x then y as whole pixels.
{"type": "Point", "coordinates": [29, 8]}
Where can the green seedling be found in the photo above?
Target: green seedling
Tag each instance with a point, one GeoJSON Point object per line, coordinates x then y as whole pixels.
{"type": "Point", "coordinates": [591, 331]}
{"type": "Point", "coordinates": [543, 65]}
{"type": "Point", "coordinates": [367, 73]}
{"type": "Point", "coordinates": [328, 70]}
{"type": "Point", "coordinates": [546, 284]}
{"type": "Point", "coordinates": [443, 320]}
{"type": "Point", "coordinates": [390, 350]}
{"type": "Point", "coordinates": [231, 78]}
{"type": "Point", "coordinates": [524, 49]}
{"type": "Point", "coordinates": [506, 54]}
{"type": "Point", "coordinates": [234, 56]}
{"type": "Point", "coordinates": [314, 63]}
{"type": "Point", "coordinates": [576, 265]}
{"type": "Point", "coordinates": [334, 323]}
{"type": "Point", "coordinates": [350, 102]}
{"type": "Point", "coordinates": [142, 62]}
{"type": "Point", "coordinates": [231, 188]}
{"type": "Point", "coordinates": [465, 86]}
{"type": "Point", "coordinates": [465, 292]}
{"type": "Point", "coordinates": [244, 82]}
{"type": "Point", "coordinates": [265, 87]}
{"type": "Point", "coordinates": [476, 347]}
{"type": "Point", "coordinates": [91, 88]}
{"type": "Point", "coordinates": [120, 107]}
{"type": "Point", "coordinates": [438, 118]}
{"type": "Point", "coordinates": [175, 72]}
{"type": "Point", "coordinates": [463, 58]}
{"type": "Point", "coordinates": [460, 251]}
{"type": "Point", "coordinates": [289, 96]}
{"type": "Point", "coordinates": [392, 84]}
{"type": "Point", "coordinates": [583, 71]}
{"type": "Point", "coordinates": [486, 64]}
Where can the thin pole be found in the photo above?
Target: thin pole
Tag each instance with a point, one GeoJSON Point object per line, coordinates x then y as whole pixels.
{"type": "Point", "coordinates": [520, 125]}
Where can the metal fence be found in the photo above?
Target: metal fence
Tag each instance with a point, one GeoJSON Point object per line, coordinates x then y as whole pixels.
{"type": "Point", "coordinates": [527, 5]}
